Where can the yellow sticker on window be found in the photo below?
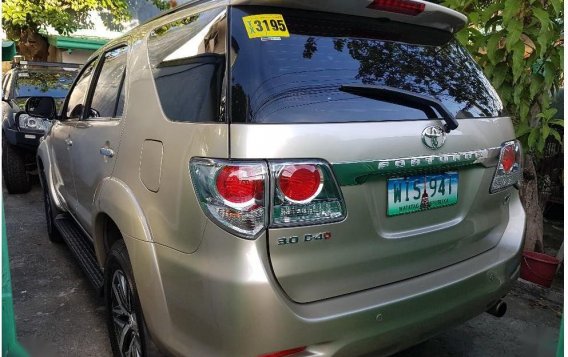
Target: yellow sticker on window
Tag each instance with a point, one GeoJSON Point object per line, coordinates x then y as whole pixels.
{"type": "Point", "coordinates": [266, 25]}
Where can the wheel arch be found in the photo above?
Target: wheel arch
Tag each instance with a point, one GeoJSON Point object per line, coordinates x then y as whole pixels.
{"type": "Point", "coordinates": [117, 214]}
{"type": "Point", "coordinates": [45, 170]}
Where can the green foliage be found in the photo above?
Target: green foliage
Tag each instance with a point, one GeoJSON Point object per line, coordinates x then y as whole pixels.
{"type": "Point", "coordinates": [65, 16]}
{"type": "Point", "coordinates": [519, 44]}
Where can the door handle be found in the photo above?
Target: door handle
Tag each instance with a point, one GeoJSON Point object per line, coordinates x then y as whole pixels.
{"type": "Point", "coordinates": [69, 142]}
{"type": "Point", "coordinates": [108, 152]}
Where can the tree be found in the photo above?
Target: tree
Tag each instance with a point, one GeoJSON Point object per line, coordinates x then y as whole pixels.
{"type": "Point", "coordinates": [519, 44]}
{"type": "Point", "coordinates": [23, 19]}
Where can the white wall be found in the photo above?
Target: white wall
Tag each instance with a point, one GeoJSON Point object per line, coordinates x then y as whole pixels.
{"type": "Point", "coordinates": [76, 56]}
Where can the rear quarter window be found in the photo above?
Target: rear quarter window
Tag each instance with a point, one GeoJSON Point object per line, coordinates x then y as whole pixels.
{"type": "Point", "coordinates": [187, 58]}
{"type": "Point", "coordinates": [297, 79]}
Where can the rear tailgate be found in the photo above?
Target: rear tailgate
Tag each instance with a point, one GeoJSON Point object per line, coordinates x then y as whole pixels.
{"type": "Point", "coordinates": [289, 106]}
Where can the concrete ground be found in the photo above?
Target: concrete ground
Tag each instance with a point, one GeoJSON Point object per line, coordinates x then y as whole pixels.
{"type": "Point", "coordinates": [58, 314]}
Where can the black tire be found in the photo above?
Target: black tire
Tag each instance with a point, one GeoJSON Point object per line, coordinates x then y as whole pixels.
{"type": "Point", "coordinates": [123, 312]}
{"type": "Point", "coordinates": [50, 213]}
{"type": "Point", "coordinates": [14, 171]}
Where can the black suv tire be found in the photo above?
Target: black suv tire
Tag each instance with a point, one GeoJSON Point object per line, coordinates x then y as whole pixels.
{"type": "Point", "coordinates": [16, 178]}
{"type": "Point", "coordinates": [123, 310]}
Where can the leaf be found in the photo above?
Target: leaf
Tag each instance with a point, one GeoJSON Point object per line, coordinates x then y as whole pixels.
{"type": "Point", "coordinates": [492, 47]}
{"type": "Point", "coordinates": [515, 29]}
{"type": "Point", "coordinates": [524, 111]}
{"type": "Point", "coordinates": [550, 113]}
{"type": "Point", "coordinates": [499, 74]}
{"type": "Point", "coordinates": [559, 122]}
{"type": "Point", "coordinates": [536, 85]}
{"type": "Point", "coordinates": [550, 73]}
{"type": "Point", "coordinates": [543, 17]}
{"type": "Point", "coordinates": [463, 36]}
{"type": "Point", "coordinates": [533, 137]}
{"type": "Point", "coordinates": [490, 11]}
{"type": "Point", "coordinates": [518, 63]}
{"type": "Point", "coordinates": [545, 131]}
{"type": "Point", "coordinates": [557, 5]}
{"type": "Point", "coordinates": [556, 135]}
{"type": "Point", "coordinates": [522, 129]}
{"type": "Point", "coordinates": [544, 41]}
{"type": "Point", "coordinates": [540, 145]}
{"type": "Point", "coordinates": [511, 9]}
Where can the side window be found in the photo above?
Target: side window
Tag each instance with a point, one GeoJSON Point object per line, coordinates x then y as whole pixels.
{"type": "Point", "coordinates": [187, 58]}
{"type": "Point", "coordinates": [106, 101]}
{"type": "Point", "coordinates": [76, 99]}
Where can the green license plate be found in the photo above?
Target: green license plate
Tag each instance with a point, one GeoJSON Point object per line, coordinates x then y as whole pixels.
{"type": "Point", "coordinates": [420, 193]}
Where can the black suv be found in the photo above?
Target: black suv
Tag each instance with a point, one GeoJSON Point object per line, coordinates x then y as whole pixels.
{"type": "Point", "coordinates": [20, 132]}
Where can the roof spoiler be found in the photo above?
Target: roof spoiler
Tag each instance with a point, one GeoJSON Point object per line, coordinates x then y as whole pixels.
{"type": "Point", "coordinates": [432, 15]}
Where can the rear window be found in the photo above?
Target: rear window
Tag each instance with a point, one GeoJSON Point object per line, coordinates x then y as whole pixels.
{"type": "Point", "coordinates": [300, 78]}
{"type": "Point", "coordinates": [45, 83]}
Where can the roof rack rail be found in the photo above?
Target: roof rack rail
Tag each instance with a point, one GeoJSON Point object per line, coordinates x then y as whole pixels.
{"type": "Point", "coordinates": [49, 64]}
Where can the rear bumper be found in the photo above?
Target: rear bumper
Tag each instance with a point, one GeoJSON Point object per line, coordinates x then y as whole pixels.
{"type": "Point", "coordinates": [223, 300]}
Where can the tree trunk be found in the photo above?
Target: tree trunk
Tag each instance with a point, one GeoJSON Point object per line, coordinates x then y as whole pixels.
{"type": "Point", "coordinates": [33, 46]}
{"type": "Point", "coordinates": [529, 197]}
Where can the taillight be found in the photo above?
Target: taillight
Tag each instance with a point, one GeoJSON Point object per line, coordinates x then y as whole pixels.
{"type": "Point", "coordinates": [240, 186]}
{"type": "Point", "coordinates": [305, 192]}
{"type": "Point", "coordinates": [508, 171]}
{"type": "Point", "coordinates": [232, 194]}
{"type": "Point", "coordinates": [406, 7]}
{"type": "Point", "coordinates": [300, 183]}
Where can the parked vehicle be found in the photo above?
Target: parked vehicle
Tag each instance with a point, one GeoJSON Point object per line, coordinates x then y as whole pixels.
{"type": "Point", "coordinates": [306, 178]}
{"type": "Point", "coordinates": [20, 132]}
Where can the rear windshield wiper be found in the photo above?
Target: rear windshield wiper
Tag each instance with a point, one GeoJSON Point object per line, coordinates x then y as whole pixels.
{"type": "Point", "coordinates": [403, 97]}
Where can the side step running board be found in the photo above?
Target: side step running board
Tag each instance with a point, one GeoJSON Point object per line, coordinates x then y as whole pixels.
{"type": "Point", "coordinates": [82, 249]}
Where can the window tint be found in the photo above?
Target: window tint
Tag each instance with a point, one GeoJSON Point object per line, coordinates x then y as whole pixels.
{"type": "Point", "coordinates": [187, 58]}
{"type": "Point", "coordinates": [303, 78]}
{"type": "Point", "coordinates": [109, 84]}
{"type": "Point", "coordinates": [75, 103]}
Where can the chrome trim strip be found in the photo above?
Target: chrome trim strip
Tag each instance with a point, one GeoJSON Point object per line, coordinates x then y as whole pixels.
{"type": "Point", "coordinates": [356, 173]}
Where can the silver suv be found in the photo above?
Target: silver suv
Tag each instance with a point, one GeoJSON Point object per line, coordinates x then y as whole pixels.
{"type": "Point", "coordinates": [278, 178]}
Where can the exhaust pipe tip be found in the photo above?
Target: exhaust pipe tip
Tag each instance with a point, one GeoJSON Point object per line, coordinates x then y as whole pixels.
{"type": "Point", "coordinates": [499, 309]}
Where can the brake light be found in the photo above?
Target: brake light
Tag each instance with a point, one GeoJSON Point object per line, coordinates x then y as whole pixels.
{"type": "Point", "coordinates": [232, 194]}
{"type": "Point", "coordinates": [284, 353]}
{"type": "Point", "coordinates": [300, 183]}
{"type": "Point", "coordinates": [508, 158]}
{"type": "Point", "coordinates": [239, 186]}
{"type": "Point", "coordinates": [508, 171]}
{"type": "Point", "coordinates": [305, 193]}
{"type": "Point", "coordinates": [406, 7]}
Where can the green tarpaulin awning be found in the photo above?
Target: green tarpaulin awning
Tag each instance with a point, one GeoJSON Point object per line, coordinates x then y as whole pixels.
{"type": "Point", "coordinates": [8, 50]}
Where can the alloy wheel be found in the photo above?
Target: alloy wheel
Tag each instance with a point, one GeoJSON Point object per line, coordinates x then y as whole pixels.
{"type": "Point", "coordinates": [124, 316]}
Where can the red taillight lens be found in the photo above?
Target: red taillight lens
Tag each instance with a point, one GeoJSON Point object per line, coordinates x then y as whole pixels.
{"type": "Point", "coordinates": [508, 158]}
{"type": "Point", "coordinates": [406, 7]}
{"type": "Point", "coordinates": [285, 352]}
{"type": "Point", "coordinates": [239, 185]}
{"type": "Point", "coordinates": [300, 183]}
{"type": "Point", "coordinates": [508, 171]}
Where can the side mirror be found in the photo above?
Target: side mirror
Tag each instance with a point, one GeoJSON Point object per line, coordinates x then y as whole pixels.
{"type": "Point", "coordinates": [42, 107]}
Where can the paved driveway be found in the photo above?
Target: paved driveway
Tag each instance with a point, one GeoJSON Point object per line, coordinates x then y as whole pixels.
{"type": "Point", "coordinates": [57, 313]}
